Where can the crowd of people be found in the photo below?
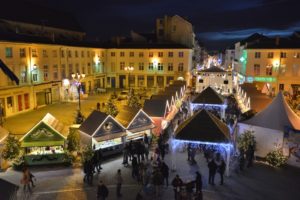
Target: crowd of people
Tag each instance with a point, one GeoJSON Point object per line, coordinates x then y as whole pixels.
{"type": "Point", "coordinates": [90, 167]}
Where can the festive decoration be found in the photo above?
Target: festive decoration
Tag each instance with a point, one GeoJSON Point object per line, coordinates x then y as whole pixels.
{"type": "Point", "coordinates": [245, 140]}
{"type": "Point", "coordinates": [73, 140]}
{"type": "Point", "coordinates": [11, 148]}
{"type": "Point", "coordinates": [133, 100]}
{"type": "Point", "coordinates": [111, 108]}
{"type": "Point", "coordinates": [87, 153]}
{"type": "Point", "coordinates": [276, 158]}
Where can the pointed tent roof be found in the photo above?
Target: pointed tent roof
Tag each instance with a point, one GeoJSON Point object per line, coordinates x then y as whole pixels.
{"type": "Point", "coordinates": [204, 127]}
{"type": "Point", "coordinates": [276, 116]}
{"type": "Point", "coordinates": [92, 122]}
{"type": "Point", "coordinates": [213, 69]}
{"type": "Point", "coordinates": [126, 115]}
{"type": "Point", "coordinates": [208, 96]}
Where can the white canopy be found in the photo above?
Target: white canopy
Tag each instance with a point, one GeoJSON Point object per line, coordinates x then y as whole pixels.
{"type": "Point", "coordinates": [276, 116]}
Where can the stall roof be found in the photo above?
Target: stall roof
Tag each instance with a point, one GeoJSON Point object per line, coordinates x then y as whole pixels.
{"type": "Point", "coordinates": [162, 96]}
{"type": "Point", "coordinates": [92, 122]}
{"type": "Point", "coordinates": [155, 108]}
{"type": "Point", "coordinates": [213, 69]}
{"type": "Point", "coordinates": [208, 96]}
{"type": "Point", "coordinates": [178, 82]}
{"type": "Point", "coordinates": [126, 115]}
{"type": "Point", "coordinates": [276, 116]}
{"type": "Point", "coordinates": [3, 134]}
{"type": "Point", "coordinates": [7, 189]}
{"type": "Point", "coordinates": [205, 127]}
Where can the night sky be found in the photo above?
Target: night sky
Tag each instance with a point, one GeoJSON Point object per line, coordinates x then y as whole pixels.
{"type": "Point", "coordinates": [217, 22]}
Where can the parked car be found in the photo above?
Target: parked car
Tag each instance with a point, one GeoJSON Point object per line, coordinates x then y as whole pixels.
{"type": "Point", "coordinates": [123, 95]}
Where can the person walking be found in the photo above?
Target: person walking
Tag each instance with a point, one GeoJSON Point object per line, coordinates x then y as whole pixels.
{"type": "Point", "coordinates": [125, 155]}
{"type": "Point", "coordinates": [189, 149]}
{"type": "Point", "coordinates": [165, 172]}
{"type": "Point", "coordinates": [221, 171]}
{"type": "Point", "coordinates": [98, 106]}
{"type": "Point", "coordinates": [242, 160]}
{"type": "Point", "coordinates": [135, 167]}
{"type": "Point", "coordinates": [212, 172]}
{"type": "Point", "coordinates": [25, 180]}
{"type": "Point", "coordinates": [31, 176]}
{"type": "Point", "coordinates": [102, 191]}
{"type": "Point", "coordinates": [198, 182]}
{"type": "Point", "coordinates": [158, 181]}
{"type": "Point", "coordinates": [177, 184]}
{"type": "Point", "coordinates": [119, 182]}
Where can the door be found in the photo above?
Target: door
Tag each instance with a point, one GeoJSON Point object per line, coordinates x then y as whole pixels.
{"type": "Point", "coordinates": [113, 82]}
{"type": "Point", "coordinates": [122, 79]}
{"type": "Point", "coordinates": [20, 106]}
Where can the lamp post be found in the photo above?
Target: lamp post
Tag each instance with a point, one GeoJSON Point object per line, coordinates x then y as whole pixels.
{"type": "Point", "coordinates": [78, 78]}
{"type": "Point", "coordinates": [129, 68]}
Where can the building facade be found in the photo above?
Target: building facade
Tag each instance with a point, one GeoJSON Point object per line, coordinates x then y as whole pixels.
{"type": "Point", "coordinates": [273, 64]}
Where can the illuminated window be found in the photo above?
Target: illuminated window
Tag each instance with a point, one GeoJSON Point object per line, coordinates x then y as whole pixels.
{"type": "Point", "coordinates": [122, 65]}
{"type": "Point", "coordinates": [69, 53]}
{"type": "Point", "coordinates": [141, 54]}
{"type": "Point", "coordinates": [180, 67]}
{"type": "Point", "coordinates": [256, 69]}
{"type": "Point", "coordinates": [131, 54]}
{"type": "Point", "coordinates": [150, 66]}
{"type": "Point", "coordinates": [141, 66]}
{"type": "Point", "coordinates": [170, 66]}
{"type": "Point", "coordinates": [150, 54]}
{"type": "Point", "coordinates": [160, 54]}
{"type": "Point", "coordinates": [180, 54]}
{"type": "Point", "coordinates": [160, 67]}
{"type": "Point", "coordinates": [297, 55]}
{"type": "Point", "coordinates": [270, 54]}
{"type": "Point", "coordinates": [257, 55]}
{"type": "Point", "coordinates": [34, 53]}
{"type": "Point", "coordinates": [122, 54]}
{"type": "Point", "coordinates": [22, 52]}
{"type": "Point", "coordinates": [45, 55]}
{"type": "Point", "coordinates": [45, 71]}
{"type": "Point", "coordinates": [282, 54]}
{"type": "Point", "coordinates": [170, 54]}
{"type": "Point", "coordinates": [55, 72]}
{"type": "Point", "coordinates": [62, 53]}
{"type": "Point", "coordinates": [112, 54]}
{"type": "Point", "coordinates": [8, 52]}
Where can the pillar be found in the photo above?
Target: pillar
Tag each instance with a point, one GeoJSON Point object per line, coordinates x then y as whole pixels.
{"type": "Point", "coordinates": [155, 81]}
{"type": "Point", "coordinates": [165, 81]}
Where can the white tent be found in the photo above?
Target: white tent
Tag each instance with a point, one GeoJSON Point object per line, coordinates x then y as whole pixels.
{"type": "Point", "coordinates": [269, 125]}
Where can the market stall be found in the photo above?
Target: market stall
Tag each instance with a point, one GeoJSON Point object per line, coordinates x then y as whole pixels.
{"type": "Point", "coordinates": [103, 132]}
{"type": "Point", "coordinates": [45, 142]}
{"type": "Point", "coordinates": [137, 123]}
{"type": "Point", "coordinates": [206, 129]}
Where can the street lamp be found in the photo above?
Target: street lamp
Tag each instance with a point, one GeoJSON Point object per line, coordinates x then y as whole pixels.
{"type": "Point", "coordinates": [78, 78]}
{"type": "Point", "coordinates": [129, 68]}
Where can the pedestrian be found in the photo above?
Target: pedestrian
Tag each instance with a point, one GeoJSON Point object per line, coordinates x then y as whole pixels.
{"type": "Point", "coordinates": [125, 154]}
{"type": "Point", "coordinates": [134, 164]}
{"type": "Point", "coordinates": [31, 176]}
{"type": "Point", "coordinates": [198, 182]}
{"type": "Point", "coordinates": [250, 155]}
{"type": "Point", "coordinates": [146, 139]}
{"type": "Point", "coordinates": [212, 172]}
{"type": "Point", "coordinates": [221, 171]}
{"type": "Point", "coordinates": [102, 191]}
{"type": "Point", "coordinates": [157, 181]}
{"type": "Point", "coordinates": [162, 151]}
{"type": "Point", "coordinates": [241, 160]}
{"type": "Point", "coordinates": [165, 172]}
{"type": "Point", "coordinates": [177, 184]}
{"type": "Point", "coordinates": [189, 189]}
{"type": "Point", "coordinates": [98, 106]}
{"type": "Point", "coordinates": [189, 149]}
{"type": "Point", "coordinates": [90, 172]}
{"type": "Point", "coordinates": [119, 181]}
{"type": "Point", "coordinates": [25, 180]}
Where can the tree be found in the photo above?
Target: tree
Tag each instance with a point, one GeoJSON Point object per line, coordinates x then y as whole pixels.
{"type": "Point", "coordinates": [133, 100]}
{"type": "Point", "coordinates": [11, 148]}
{"type": "Point", "coordinates": [87, 153]}
{"type": "Point", "coordinates": [111, 108]}
{"type": "Point", "coordinates": [245, 140]}
{"type": "Point", "coordinates": [276, 158]}
{"type": "Point", "coordinates": [73, 140]}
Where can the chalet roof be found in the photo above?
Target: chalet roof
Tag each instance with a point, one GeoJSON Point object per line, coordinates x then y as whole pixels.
{"type": "Point", "coordinates": [203, 126]}
{"type": "Point", "coordinates": [155, 108]}
{"type": "Point", "coordinates": [213, 69]}
{"type": "Point", "coordinates": [92, 122]}
{"type": "Point", "coordinates": [208, 96]}
{"type": "Point", "coordinates": [126, 115]}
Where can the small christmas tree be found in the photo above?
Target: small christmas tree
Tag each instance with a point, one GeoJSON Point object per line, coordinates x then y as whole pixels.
{"type": "Point", "coordinates": [73, 140]}
{"type": "Point", "coordinates": [133, 100]}
{"type": "Point", "coordinates": [111, 108]}
{"type": "Point", "coordinates": [87, 153]}
{"type": "Point", "coordinates": [245, 140]}
{"type": "Point", "coordinates": [11, 148]}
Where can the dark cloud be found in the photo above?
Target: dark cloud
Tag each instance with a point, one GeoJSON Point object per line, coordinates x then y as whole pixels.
{"type": "Point", "coordinates": [215, 21]}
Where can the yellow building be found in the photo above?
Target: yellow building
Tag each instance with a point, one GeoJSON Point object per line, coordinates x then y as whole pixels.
{"type": "Point", "coordinates": [274, 64]}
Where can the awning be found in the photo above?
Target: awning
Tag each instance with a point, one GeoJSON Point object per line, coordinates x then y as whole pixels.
{"type": "Point", "coordinates": [8, 72]}
{"type": "Point", "coordinates": [109, 136]}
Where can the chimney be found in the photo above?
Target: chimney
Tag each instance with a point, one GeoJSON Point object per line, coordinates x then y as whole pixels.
{"type": "Point", "coordinates": [277, 39]}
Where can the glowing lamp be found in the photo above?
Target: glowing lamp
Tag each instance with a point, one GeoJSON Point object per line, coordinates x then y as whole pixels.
{"type": "Point", "coordinates": [242, 59]}
{"type": "Point", "coordinates": [276, 63]}
{"type": "Point", "coordinates": [66, 82]}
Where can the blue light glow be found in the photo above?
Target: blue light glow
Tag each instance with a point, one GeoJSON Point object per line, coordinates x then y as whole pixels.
{"type": "Point", "coordinates": [176, 143]}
